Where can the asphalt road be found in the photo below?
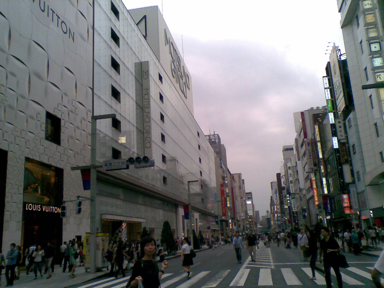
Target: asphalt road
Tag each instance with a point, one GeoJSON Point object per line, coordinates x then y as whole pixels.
{"type": "Point", "coordinates": [274, 267]}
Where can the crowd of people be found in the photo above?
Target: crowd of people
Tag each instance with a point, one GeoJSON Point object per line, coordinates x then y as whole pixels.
{"type": "Point", "coordinates": [40, 260]}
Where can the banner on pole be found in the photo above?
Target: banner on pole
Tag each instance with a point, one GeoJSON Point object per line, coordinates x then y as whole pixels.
{"type": "Point", "coordinates": [186, 212]}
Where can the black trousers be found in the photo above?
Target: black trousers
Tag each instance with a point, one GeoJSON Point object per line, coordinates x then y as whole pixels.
{"type": "Point", "coordinates": [119, 265]}
{"type": "Point", "coordinates": [66, 260]}
{"type": "Point", "coordinates": [327, 269]}
{"type": "Point", "coordinates": [10, 269]}
{"type": "Point", "coordinates": [312, 263]}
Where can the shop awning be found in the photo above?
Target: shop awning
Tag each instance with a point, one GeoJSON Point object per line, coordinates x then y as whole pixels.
{"type": "Point", "coordinates": [112, 217]}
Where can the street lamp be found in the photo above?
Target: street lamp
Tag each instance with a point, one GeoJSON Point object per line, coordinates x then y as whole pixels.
{"type": "Point", "coordinates": [190, 209]}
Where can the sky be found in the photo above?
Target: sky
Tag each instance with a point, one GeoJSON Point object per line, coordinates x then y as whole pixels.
{"type": "Point", "coordinates": [253, 64]}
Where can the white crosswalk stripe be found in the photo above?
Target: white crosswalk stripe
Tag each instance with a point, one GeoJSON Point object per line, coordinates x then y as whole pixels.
{"type": "Point", "coordinates": [265, 278]}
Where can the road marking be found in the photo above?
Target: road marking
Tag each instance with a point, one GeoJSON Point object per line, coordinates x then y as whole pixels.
{"type": "Point", "coordinates": [290, 277]}
{"type": "Point", "coordinates": [221, 253]}
{"type": "Point", "coordinates": [98, 282]}
{"type": "Point", "coordinates": [194, 280]}
{"type": "Point", "coordinates": [240, 278]}
{"type": "Point", "coordinates": [271, 257]}
{"type": "Point", "coordinates": [265, 277]}
{"type": "Point", "coordinates": [320, 280]}
{"type": "Point", "coordinates": [361, 273]}
{"type": "Point", "coordinates": [371, 268]}
{"type": "Point", "coordinates": [217, 279]}
{"type": "Point", "coordinates": [170, 282]}
{"type": "Point", "coordinates": [347, 279]}
{"type": "Point", "coordinates": [123, 281]}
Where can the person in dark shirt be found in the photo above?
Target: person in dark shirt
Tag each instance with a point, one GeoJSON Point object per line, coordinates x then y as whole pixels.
{"type": "Point", "coordinates": [119, 258]}
{"type": "Point", "coordinates": [312, 251]}
{"type": "Point", "coordinates": [251, 245]}
{"type": "Point", "coordinates": [329, 248]}
{"type": "Point", "coordinates": [146, 269]}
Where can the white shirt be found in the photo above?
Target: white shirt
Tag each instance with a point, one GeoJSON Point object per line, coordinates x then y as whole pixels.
{"type": "Point", "coordinates": [62, 248]}
{"type": "Point", "coordinates": [303, 240]}
{"type": "Point", "coordinates": [347, 235]}
{"type": "Point", "coordinates": [186, 248]}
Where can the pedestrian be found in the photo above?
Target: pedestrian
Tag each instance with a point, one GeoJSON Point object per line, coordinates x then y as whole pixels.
{"type": "Point", "coordinates": [11, 264]}
{"type": "Point", "coordinates": [29, 254]}
{"type": "Point", "coordinates": [288, 241]}
{"type": "Point", "coordinates": [372, 236]}
{"type": "Point", "coordinates": [109, 257]}
{"type": "Point", "coordinates": [355, 242]}
{"type": "Point", "coordinates": [238, 246]}
{"type": "Point", "coordinates": [251, 246]}
{"type": "Point", "coordinates": [329, 248]}
{"type": "Point", "coordinates": [2, 263]}
{"type": "Point", "coordinates": [377, 271]}
{"type": "Point", "coordinates": [294, 239]}
{"type": "Point", "coordinates": [161, 255]}
{"type": "Point", "coordinates": [119, 259]}
{"type": "Point", "coordinates": [62, 252]}
{"type": "Point", "coordinates": [347, 240]}
{"type": "Point", "coordinates": [186, 257]}
{"type": "Point", "coordinates": [312, 251]}
{"type": "Point", "coordinates": [49, 253]}
{"type": "Point", "coordinates": [72, 259]}
{"type": "Point", "coordinates": [303, 243]}
{"type": "Point", "coordinates": [146, 270]}
{"type": "Point", "coordinates": [38, 256]}
{"type": "Point", "coordinates": [19, 262]}
{"type": "Point", "coordinates": [66, 258]}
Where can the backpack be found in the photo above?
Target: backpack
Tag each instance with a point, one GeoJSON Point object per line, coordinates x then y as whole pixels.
{"type": "Point", "coordinates": [76, 255]}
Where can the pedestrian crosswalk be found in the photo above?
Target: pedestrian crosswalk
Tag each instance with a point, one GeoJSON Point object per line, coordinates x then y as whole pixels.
{"type": "Point", "coordinates": [297, 276]}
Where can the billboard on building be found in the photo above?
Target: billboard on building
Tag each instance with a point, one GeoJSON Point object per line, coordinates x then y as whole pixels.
{"type": "Point", "coordinates": [336, 79]}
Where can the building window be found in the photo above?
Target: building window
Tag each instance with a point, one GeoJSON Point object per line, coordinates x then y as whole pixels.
{"type": "Point", "coordinates": [382, 156]}
{"type": "Point", "coordinates": [353, 148]}
{"type": "Point", "coordinates": [162, 117]}
{"type": "Point", "coordinates": [115, 65]}
{"type": "Point", "coordinates": [114, 10]}
{"type": "Point", "coordinates": [116, 154]}
{"type": "Point", "coordinates": [366, 73]}
{"type": "Point", "coordinates": [162, 137]}
{"type": "Point", "coordinates": [115, 37]}
{"type": "Point", "coordinates": [160, 78]}
{"type": "Point", "coordinates": [161, 97]}
{"type": "Point", "coordinates": [199, 159]}
{"type": "Point", "coordinates": [201, 174]}
{"type": "Point", "coordinates": [371, 101]}
{"type": "Point", "coordinates": [349, 121]}
{"type": "Point", "coordinates": [358, 176]}
{"type": "Point", "coordinates": [198, 146]}
{"type": "Point", "coordinates": [357, 21]}
{"type": "Point", "coordinates": [164, 158]}
{"type": "Point", "coordinates": [115, 93]}
{"type": "Point", "coordinates": [361, 47]}
{"type": "Point", "coordinates": [164, 180]}
{"type": "Point", "coordinates": [198, 134]}
{"type": "Point", "coordinates": [52, 128]}
{"type": "Point", "coordinates": [116, 124]}
{"type": "Point", "coordinates": [377, 130]}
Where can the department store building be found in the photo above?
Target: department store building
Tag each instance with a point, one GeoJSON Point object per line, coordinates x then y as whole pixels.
{"type": "Point", "coordinates": [45, 116]}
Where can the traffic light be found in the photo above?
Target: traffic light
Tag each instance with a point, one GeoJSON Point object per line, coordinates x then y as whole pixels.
{"type": "Point", "coordinates": [63, 211]}
{"type": "Point", "coordinates": [78, 207]}
{"type": "Point", "coordinates": [139, 162]}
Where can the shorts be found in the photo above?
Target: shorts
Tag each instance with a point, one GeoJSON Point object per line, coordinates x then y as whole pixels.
{"type": "Point", "coordinates": [379, 266]}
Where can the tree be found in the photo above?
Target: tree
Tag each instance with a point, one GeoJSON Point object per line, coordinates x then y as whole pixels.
{"type": "Point", "coordinates": [167, 238]}
{"type": "Point", "coordinates": [196, 243]}
{"type": "Point", "coordinates": [144, 233]}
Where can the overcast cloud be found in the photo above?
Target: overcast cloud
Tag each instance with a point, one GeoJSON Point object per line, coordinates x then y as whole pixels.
{"type": "Point", "coordinates": [253, 64]}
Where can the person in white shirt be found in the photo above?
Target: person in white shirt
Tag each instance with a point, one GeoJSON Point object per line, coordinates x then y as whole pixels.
{"type": "Point", "coordinates": [186, 257]}
{"type": "Point", "coordinates": [62, 252]}
{"type": "Point", "coordinates": [303, 243]}
{"type": "Point", "coordinates": [347, 239]}
{"type": "Point", "coordinates": [377, 271]}
{"type": "Point", "coordinates": [238, 246]}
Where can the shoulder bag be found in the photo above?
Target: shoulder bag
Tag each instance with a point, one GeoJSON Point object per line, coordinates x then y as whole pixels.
{"type": "Point", "coordinates": [341, 261]}
{"type": "Point", "coordinates": [193, 253]}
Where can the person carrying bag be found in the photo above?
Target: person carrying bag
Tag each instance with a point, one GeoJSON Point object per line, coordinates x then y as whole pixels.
{"type": "Point", "coordinates": [146, 272]}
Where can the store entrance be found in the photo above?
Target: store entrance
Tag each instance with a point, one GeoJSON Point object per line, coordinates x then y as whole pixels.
{"type": "Point", "coordinates": [40, 227]}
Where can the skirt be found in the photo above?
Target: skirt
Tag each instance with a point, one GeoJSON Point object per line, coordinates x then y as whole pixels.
{"type": "Point", "coordinates": [187, 261]}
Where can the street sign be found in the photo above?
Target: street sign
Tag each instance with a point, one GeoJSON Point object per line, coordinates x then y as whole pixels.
{"type": "Point", "coordinates": [118, 164]}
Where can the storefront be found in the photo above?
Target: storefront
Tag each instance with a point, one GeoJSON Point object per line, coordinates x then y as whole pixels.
{"type": "Point", "coordinates": [43, 196]}
{"type": "Point", "coordinates": [123, 227]}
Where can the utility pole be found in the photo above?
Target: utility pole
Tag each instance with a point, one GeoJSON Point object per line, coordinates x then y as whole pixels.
{"type": "Point", "coordinates": [190, 209]}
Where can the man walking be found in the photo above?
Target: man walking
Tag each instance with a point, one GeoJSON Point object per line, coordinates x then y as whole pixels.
{"type": "Point", "coordinates": [251, 245]}
{"type": "Point", "coordinates": [29, 254]}
{"type": "Point", "coordinates": [11, 264]}
{"type": "Point", "coordinates": [238, 246]}
{"type": "Point", "coordinates": [303, 243]}
{"type": "Point", "coordinates": [62, 252]}
{"type": "Point", "coordinates": [49, 253]}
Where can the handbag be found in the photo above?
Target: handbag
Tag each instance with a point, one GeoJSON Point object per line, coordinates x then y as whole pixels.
{"type": "Point", "coordinates": [341, 261]}
{"type": "Point", "coordinates": [193, 253]}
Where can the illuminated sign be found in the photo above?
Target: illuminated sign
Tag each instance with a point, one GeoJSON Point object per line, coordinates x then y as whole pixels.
{"type": "Point", "coordinates": [335, 143]}
{"type": "Point", "coordinates": [41, 208]}
{"type": "Point", "coordinates": [331, 118]}
{"type": "Point", "coordinates": [314, 188]}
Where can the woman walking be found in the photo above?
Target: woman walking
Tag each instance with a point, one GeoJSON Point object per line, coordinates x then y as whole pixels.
{"type": "Point", "coordinates": [38, 256]}
{"type": "Point", "coordinates": [312, 251]}
{"type": "Point", "coordinates": [72, 259]}
{"type": "Point", "coordinates": [19, 262]}
{"type": "Point", "coordinates": [186, 257]}
{"type": "Point", "coordinates": [146, 269]}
